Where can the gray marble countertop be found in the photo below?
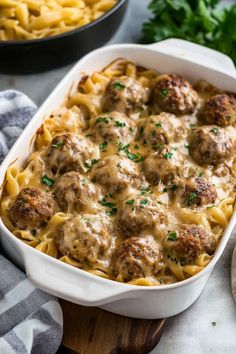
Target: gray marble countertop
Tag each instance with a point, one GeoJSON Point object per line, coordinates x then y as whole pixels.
{"type": "Point", "coordinates": [191, 332]}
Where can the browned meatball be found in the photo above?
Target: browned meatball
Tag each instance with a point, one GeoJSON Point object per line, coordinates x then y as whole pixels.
{"type": "Point", "coordinates": [161, 165]}
{"type": "Point", "coordinates": [220, 110]}
{"type": "Point", "coordinates": [115, 173]}
{"type": "Point", "coordinates": [73, 192]}
{"type": "Point", "coordinates": [124, 94]}
{"type": "Point", "coordinates": [113, 127]}
{"type": "Point", "coordinates": [210, 145]}
{"type": "Point", "coordinates": [68, 152]}
{"type": "Point", "coordinates": [137, 257]}
{"type": "Point", "coordinates": [138, 213]}
{"type": "Point", "coordinates": [174, 94]}
{"type": "Point", "coordinates": [31, 208]}
{"type": "Point", "coordinates": [195, 191]}
{"type": "Point", "coordinates": [84, 237]}
{"type": "Point", "coordinates": [160, 129]}
{"type": "Point", "coordinates": [188, 242]}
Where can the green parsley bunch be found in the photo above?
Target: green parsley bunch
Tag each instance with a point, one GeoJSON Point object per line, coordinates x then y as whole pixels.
{"type": "Point", "coordinates": [199, 21]}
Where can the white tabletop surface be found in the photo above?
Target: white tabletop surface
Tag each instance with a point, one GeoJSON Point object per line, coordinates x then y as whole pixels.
{"type": "Point", "coordinates": [191, 332]}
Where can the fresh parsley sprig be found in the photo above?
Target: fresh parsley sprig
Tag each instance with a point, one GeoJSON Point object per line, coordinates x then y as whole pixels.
{"type": "Point", "coordinates": [199, 21]}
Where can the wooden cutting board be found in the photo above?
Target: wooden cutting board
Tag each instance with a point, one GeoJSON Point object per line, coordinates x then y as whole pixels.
{"type": "Point", "coordinates": [89, 330]}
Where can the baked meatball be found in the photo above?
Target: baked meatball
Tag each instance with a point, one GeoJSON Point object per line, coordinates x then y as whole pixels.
{"type": "Point", "coordinates": [173, 94]}
{"type": "Point", "coordinates": [31, 208]}
{"type": "Point", "coordinates": [113, 127]}
{"type": "Point", "coordinates": [160, 129]}
{"type": "Point", "coordinates": [220, 110]}
{"type": "Point", "coordinates": [83, 237]}
{"type": "Point", "coordinates": [68, 152]}
{"type": "Point", "coordinates": [188, 242]}
{"type": "Point", "coordinates": [210, 145]}
{"type": "Point", "coordinates": [161, 165]}
{"type": "Point", "coordinates": [137, 257]}
{"type": "Point", "coordinates": [195, 192]}
{"type": "Point", "coordinates": [115, 173]}
{"type": "Point", "coordinates": [124, 94]}
{"type": "Point", "coordinates": [73, 192]}
{"type": "Point", "coordinates": [138, 213]}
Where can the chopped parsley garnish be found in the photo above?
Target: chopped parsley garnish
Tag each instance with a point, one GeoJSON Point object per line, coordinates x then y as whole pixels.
{"type": "Point", "coordinates": [107, 204]}
{"type": "Point", "coordinates": [201, 174]}
{"type": "Point", "coordinates": [94, 161]}
{"type": "Point", "coordinates": [165, 190]}
{"type": "Point", "coordinates": [192, 126]}
{"type": "Point", "coordinates": [102, 120]}
{"type": "Point", "coordinates": [119, 124]}
{"type": "Point", "coordinates": [157, 146]}
{"type": "Point", "coordinates": [57, 145]}
{"type": "Point", "coordinates": [46, 180]}
{"type": "Point", "coordinates": [84, 181]}
{"type": "Point", "coordinates": [214, 131]}
{"type": "Point", "coordinates": [144, 142]}
{"type": "Point", "coordinates": [136, 147]}
{"type": "Point", "coordinates": [172, 236]}
{"type": "Point", "coordinates": [144, 202]}
{"type": "Point", "coordinates": [102, 146]}
{"type": "Point", "coordinates": [33, 232]}
{"type": "Point", "coordinates": [164, 92]}
{"type": "Point", "coordinates": [158, 125]}
{"type": "Point", "coordinates": [118, 86]}
{"type": "Point", "coordinates": [111, 206]}
{"type": "Point", "coordinates": [174, 148]}
{"type": "Point", "coordinates": [89, 165]}
{"type": "Point", "coordinates": [111, 212]}
{"type": "Point", "coordinates": [173, 187]}
{"type": "Point", "coordinates": [131, 156]}
{"type": "Point", "coordinates": [144, 190]}
{"type": "Point", "coordinates": [131, 129]}
{"type": "Point", "coordinates": [168, 155]}
{"type": "Point", "coordinates": [134, 157]}
{"type": "Point", "coordinates": [186, 146]}
{"type": "Point", "coordinates": [228, 117]}
{"type": "Point", "coordinates": [130, 202]}
{"type": "Point", "coordinates": [192, 197]}
{"type": "Point", "coordinates": [122, 147]}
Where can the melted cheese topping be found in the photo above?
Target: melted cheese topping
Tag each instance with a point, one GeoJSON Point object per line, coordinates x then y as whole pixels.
{"type": "Point", "coordinates": [114, 172]}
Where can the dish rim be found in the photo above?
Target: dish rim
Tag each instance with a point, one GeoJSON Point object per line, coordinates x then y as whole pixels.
{"type": "Point", "coordinates": [224, 238]}
{"type": "Point", "coordinates": [15, 42]}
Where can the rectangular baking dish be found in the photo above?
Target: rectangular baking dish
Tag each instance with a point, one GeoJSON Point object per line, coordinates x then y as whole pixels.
{"type": "Point", "coordinates": [192, 61]}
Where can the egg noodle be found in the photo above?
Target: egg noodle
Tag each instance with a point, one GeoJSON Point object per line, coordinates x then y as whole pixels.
{"type": "Point", "coordinates": [32, 19]}
{"type": "Point", "coordinates": [75, 116]}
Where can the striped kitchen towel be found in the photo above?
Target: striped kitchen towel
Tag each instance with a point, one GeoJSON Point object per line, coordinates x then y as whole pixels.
{"type": "Point", "coordinates": [30, 319]}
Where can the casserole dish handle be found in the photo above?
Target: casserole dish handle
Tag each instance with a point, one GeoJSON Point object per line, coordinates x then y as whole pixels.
{"type": "Point", "coordinates": [70, 283]}
{"type": "Point", "coordinates": [196, 53]}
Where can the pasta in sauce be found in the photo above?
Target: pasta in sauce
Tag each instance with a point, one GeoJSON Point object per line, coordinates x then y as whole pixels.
{"type": "Point", "coordinates": [132, 178]}
{"type": "Point", "coordinates": [32, 19]}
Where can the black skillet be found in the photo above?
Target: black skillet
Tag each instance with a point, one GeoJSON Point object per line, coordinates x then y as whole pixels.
{"type": "Point", "coordinates": [37, 55]}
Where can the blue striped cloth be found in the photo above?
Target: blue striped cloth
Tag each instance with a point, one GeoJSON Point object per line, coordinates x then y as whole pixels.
{"type": "Point", "coordinates": [30, 319]}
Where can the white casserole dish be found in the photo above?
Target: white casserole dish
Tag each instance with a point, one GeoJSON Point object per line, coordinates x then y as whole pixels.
{"type": "Point", "coordinates": [193, 62]}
